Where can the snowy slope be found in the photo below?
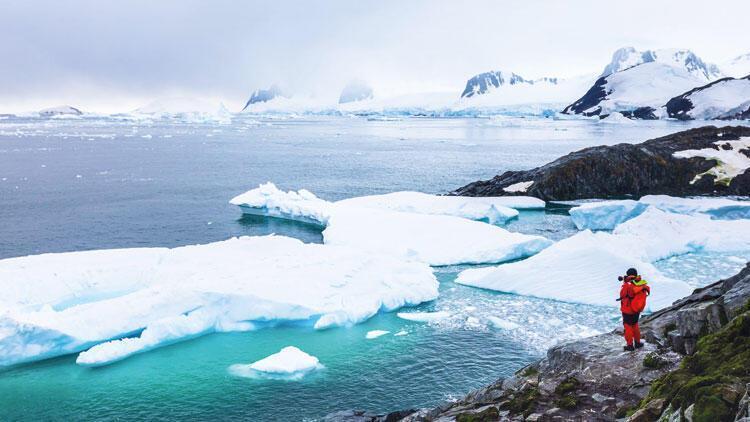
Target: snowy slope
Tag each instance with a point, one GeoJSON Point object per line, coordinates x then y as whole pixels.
{"type": "Point", "coordinates": [639, 91]}
{"type": "Point", "coordinates": [738, 67]}
{"type": "Point", "coordinates": [488, 81]}
{"type": "Point", "coordinates": [628, 57]}
{"type": "Point", "coordinates": [727, 98]}
{"type": "Point", "coordinates": [55, 304]}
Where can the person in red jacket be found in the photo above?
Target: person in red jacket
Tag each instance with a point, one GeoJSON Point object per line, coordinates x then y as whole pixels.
{"type": "Point", "coordinates": [633, 295]}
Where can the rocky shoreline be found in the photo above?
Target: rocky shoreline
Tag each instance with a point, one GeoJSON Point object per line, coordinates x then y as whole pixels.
{"type": "Point", "coordinates": [695, 367]}
{"type": "Point", "coordinates": [631, 170]}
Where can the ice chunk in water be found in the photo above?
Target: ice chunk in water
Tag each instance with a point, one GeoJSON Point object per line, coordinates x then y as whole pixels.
{"type": "Point", "coordinates": [290, 363]}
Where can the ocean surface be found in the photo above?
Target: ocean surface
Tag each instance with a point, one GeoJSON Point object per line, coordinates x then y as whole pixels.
{"type": "Point", "coordinates": [92, 183]}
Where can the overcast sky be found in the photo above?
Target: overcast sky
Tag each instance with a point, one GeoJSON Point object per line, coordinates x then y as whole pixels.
{"type": "Point", "coordinates": [114, 55]}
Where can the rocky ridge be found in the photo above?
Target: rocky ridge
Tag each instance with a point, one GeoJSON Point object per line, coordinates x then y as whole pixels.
{"type": "Point", "coordinates": [628, 170]}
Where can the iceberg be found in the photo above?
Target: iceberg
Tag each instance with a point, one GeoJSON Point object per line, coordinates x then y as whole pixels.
{"type": "Point", "coordinates": [606, 215]}
{"type": "Point", "coordinates": [579, 269]}
{"type": "Point", "coordinates": [268, 200]}
{"type": "Point", "coordinates": [375, 334]}
{"type": "Point", "coordinates": [433, 229]}
{"type": "Point", "coordinates": [432, 239]}
{"type": "Point", "coordinates": [114, 303]}
{"type": "Point", "coordinates": [491, 209]}
{"type": "Point", "coordinates": [290, 363]}
{"type": "Point", "coordinates": [660, 234]}
{"type": "Point", "coordinates": [424, 316]}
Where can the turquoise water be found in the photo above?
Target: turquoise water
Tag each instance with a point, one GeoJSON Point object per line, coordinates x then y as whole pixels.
{"type": "Point", "coordinates": [99, 183]}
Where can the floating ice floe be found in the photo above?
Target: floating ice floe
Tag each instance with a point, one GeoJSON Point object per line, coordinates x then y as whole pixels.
{"type": "Point", "coordinates": [579, 269]}
{"type": "Point", "coordinates": [493, 209]}
{"type": "Point", "coordinates": [424, 316]}
{"type": "Point", "coordinates": [55, 304]}
{"type": "Point", "coordinates": [660, 234]}
{"type": "Point", "coordinates": [268, 200]}
{"type": "Point", "coordinates": [430, 233]}
{"type": "Point", "coordinates": [606, 215]}
{"type": "Point", "coordinates": [433, 239]}
{"type": "Point", "coordinates": [728, 156]}
{"type": "Point", "coordinates": [375, 334]}
{"type": "Point", "coordinates": [290, 363]}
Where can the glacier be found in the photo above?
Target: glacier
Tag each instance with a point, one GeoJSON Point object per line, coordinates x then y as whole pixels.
{"type": "Point", "coordinates": [606, 215]}
{"type": "Point", "coordinates": [381, 224]}
{"type": "Point", "coordinates": [111, 304]}
{"type": "Point", "coordinates": [289, 363]}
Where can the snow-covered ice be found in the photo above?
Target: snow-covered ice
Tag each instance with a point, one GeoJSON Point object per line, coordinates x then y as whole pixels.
{"type": "Point", "coordinates": [580, 269]}
{"type": "Point", "coordinates": [729, 158]}
{"type": "Point", "coordinates": [606, 215]}
{"type": "Point", "coordinates": [492, 209]}
{"type": "Point", "coordinates": [431, 232]}
{"type": "Point", "coordinates": [375, 334]}
{"type": "Point", "coordinates": [662, 234]}
{"type": "Point", "coordinates": [55, 304]}
{"type": "Point", "coordinates": [269, 200]}
{"type": "Point", "coordinates": [290, 363]}
{"type": "Point", "coordinates": [423, 316]}
{"type": "Point", "coordinates": [433, 239]}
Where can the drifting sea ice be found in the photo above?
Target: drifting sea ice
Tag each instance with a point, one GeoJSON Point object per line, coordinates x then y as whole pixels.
{"type": "Point", "coordinates": [375, 334]}
{"type": "Point", "coordinates": [606, 215]}
{"type": "Point", "coordinates": [491, 209]}
{"type": "Point", "coordinates": [290, 363]}
{"type": "Point", "coordinates": [433, 239]}
{"type": "Point", "coordinates": [64, 303]}
{"type": "Point", "coordinates": [580, 269]}
{"type": "Point", "coordinates": [431, 233]}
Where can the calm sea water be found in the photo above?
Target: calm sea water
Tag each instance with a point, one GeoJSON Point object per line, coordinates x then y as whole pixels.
{"type": "Point", "coordinates": [102, 183]}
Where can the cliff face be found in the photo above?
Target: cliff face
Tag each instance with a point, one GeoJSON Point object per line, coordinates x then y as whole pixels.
{"type": "Point", "coordinates": [622, 170]}
{"type": "Point", "coordinates": [695, 366]}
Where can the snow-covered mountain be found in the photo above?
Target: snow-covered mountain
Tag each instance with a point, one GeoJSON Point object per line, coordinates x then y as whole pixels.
{"type": "Point", "coordinates": [484, 83]}
{"type": "Point", "coordinates": [639, 91]}
{"type": "Point", "coordinates": [264, 95]}
{"type": "Point", "coordinates": [627, 57]}
{"type": "Point", "coordinates": [738, 67]}
{"type": "Point", "coordinates": [355, 91]}
{"type": "Point", "coordinates": [727, 98]}
{"type": "Point", "coordinates": [64, 110]}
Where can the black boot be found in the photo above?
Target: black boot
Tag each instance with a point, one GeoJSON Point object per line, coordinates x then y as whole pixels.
{"type": "Point", "coordinates": [628, 348]}
{"type": "Point", "coordinates": [638, 345]}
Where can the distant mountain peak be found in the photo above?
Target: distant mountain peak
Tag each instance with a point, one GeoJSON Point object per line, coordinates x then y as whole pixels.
{"type": "Point", "coordinates": [487, 81]}
{"type": "Point", "coordinates": [264, 95]}
{"type": "Point", "coordinates": [627, 57]}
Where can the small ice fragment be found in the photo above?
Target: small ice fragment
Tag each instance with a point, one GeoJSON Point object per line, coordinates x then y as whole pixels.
{"type": "Point", "coordinates": [423, 316]}
{"type": "Point", "coordinates": [290, 363]}
{"type": "Point", "coordinates": [375, 334]}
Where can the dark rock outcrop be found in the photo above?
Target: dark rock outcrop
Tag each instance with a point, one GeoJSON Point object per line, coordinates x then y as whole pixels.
{"type": "Point", "coordinates": [625, 170]}
{"type": "Point", "coordinates": [734, 103]}
{"type": "Point", "coordinates": [593, 379]}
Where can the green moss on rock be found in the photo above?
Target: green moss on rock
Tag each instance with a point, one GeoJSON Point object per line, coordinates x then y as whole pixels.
{"type": "Point", "coordinates": [708, 378]}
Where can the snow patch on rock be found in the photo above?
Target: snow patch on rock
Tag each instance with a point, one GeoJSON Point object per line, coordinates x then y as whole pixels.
{"type": "Point", "coordinates": [730, 161]}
